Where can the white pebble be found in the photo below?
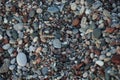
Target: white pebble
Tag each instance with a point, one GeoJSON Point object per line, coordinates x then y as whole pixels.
{"type": "Point", "coordinates": [1, 37]}
{"type": "Point", "coordinates": [99, 62]}
{"type": "Point", "coordinates": [108, 54]}
{"type": "Point", "coordinates": [85, 74]}
{"type": "Point", "coordinates": [73, 6]}
{"type": "Point", "coordinates": [21, 59]}
{"type": "Point", "coordinates": [39, 10]}
{"type": "Point", "coordinates": [11, 67]}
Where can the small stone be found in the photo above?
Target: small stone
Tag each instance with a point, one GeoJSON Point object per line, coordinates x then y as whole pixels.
{"type": "Point", "coordinates": [11, 67]}
{"type": "Point", "coordinates": [97, 33]}
{"type": "Point", "coordinates": [116, 59]}
{"type": "Point", "coordinates": [5, 66]}
{"type": "Point", "coordinates": [82, 10]}
{"type": "Point", "coordinates": [1, 50]}
{"type": "Point", "coordinates": [39, 10]}
{"type": "Point", "coordinates": [35, 39]}
{"type": "Point", "coordinates": [107, 59]}
{"type": "Point", "coordinates": [83, 22]}
{"type": "Point", "coordinates": [73, 6]}
{"type": "Point", "coordinates": [95, 16]}
{"type": "Point", "coordinates": [18, 26]}
{"type": "Point", "coordinates": [108, 54]}
{"type": "Point", "coordinates": [87, 11]}
{"type": "Point", "coordinates": [102, 57]}
{"type": "Point", "coordinates": [31, 48]}
{"type": "Point", "coordinates": [53, 9]}
{"type": "Point", "coordinates": [44, 70]}
{"type": "Point", "coordinates": [106, 13]}
{"type": "Point", "coordinates": [96, 5]}
{"type": "Point", "coordinates": [32, 13]}
{"type": "Point", "coordinates": [76, 22]}
{"type": "Point", "coordinates": [85, 74]}
{"type": "Point", "coordinates": [99, 62]}
{"type": "Point", "coordinates": [1, 37]}
{"type": "Point", "coordinates": [57, 43]}
{"type": "Point", "coordinates": [14, 34]}
{"type": "Point", "coordinates": [110, 30]}
{"type": "Point", "coordinates": [21, 59]}
{"type": "Point", "coordinates": [6, 46]}
{"type": "Point", "coordinates": [13, 61]}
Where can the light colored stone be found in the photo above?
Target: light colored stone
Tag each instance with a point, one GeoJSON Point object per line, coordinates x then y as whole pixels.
{"type": "Point", "coordinates": [73, 6]}
{"type": "Point", "coordinates": [6, 46]}
{"type": "Point", "coordinates": [39, 10]}
{"type": "Point", "coordinates": [102, 57]}
{"type": "Point", "coordinates": [99, 62]}
{"type": "Point", "coordinates": [11, 67]}
{"type": "Point", "coordinates": [108, 54]}
{"type": "Point", "coordinates": [56, 43]}
{"type": "Point", "coordinates": [13, 61]}
{"type": "Point", "coordinates": [82, 10]}
{"type": "Point", "coordinates": [1, 36]}
{"type": "Point", "coordinates": [18, 26]}
{"type": "Point", "coordinates": [85, 74]}
{"type": "Point", "coordinates": [21, 59]}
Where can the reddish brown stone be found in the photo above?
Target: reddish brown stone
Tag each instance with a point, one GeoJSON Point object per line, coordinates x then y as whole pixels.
{"type": "Point", "coordinates": [76, 22]}
{"type": "Point", "coordinates": [78, 66]}
{"type": "Point", "coordinates": [110, 30]}
{"type": "Point", "coordinates": [5, 41]}
{"type": "Point", "coordinates": [1, 50]}
{"type": "Point", "coordinates": [116, 59]}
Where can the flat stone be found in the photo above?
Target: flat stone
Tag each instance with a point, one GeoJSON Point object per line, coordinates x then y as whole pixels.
{"type": "Point", "coordinates": [97, 33]}
{"type": "Point", "coordinates": [56, 43]}
{"type": "Point", "coordinates": [99, 62]}
{"type": "Point", "coordinates": [53, 9]}
{"type": "Point", "coordinates": [18, 26]}
{"type": "Point", "coordinates": [13, 61]}
{"type": "Point", "coordinates": [6, 46]}
{"type": "Point", "coordinates": [44, 70]}
{"type": "Point", "coordinates": [21, 59]}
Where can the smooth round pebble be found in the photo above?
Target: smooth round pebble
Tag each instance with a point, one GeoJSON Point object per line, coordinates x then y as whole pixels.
{"type": "Point", "coordinates": [99, 62]}
{"type": "Point", "coordinates": [56, 43]}
{"type": "Point", "coordinates": [108, 54]}
{"type": "Point", "coordinates": [85, 74]}
{"type": "Point", "coordinates": [44, 70]}
{"type": "Point", "coordinates": [12, 61]}
{"type": "Point", "coordinates": [21, 59]}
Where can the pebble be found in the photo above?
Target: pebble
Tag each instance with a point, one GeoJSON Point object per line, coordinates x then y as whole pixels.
{"type": "Point", "coordinates": [14, 34]}
{"type": "Point", "coordinates": [53, 9]}
{"type": "Point", "coordinates": [75, 22]}
{"type": "Point", "coordinates": [102, 57]}
{"type": "Point", "coordinates": [13, 61]}
{"type": "Point", "coordinates": [85, 74]}
{"type": "Point", "coordinates": [57, 43]}
{"type": "Point", "coordinates": [6, 46]}
{"type": "Point", "coordinates": [44, 70]}
{"type": "Point", "coordinates": [99, 62]}
{"type": "Point", "coordinates": [39, 10]}
{"type": "Point", "coordinates": [11, 67]}
{"type": "Point", "coordinates": [1, 37]}
{"type": "Point", "coordinates": [82, 10]}
{"type": "Point", "coordinates": [21, 59]}
{"type": "Point", "coordinates": [18, 26]}
{"type": "Point", "coordinates": [108, 54]}
{"type": "Point", "coordinates": [73, 6]}
{"type": "Point", "coordinates": [32, 13]}
{"type": "Point", "coordinates": [31, 48]}
{"type": "Point", "coordinates": [97, 33]}
{"type": "Point", "coordinates": [96, 5]}
{"type": "Point", "coordinates": [5, 66]}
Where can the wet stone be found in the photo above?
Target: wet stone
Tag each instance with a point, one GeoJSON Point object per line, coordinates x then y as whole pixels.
{"type": "Point", "coordinates": [57, 43]}
{"type": "Point", "coordinates": [97, 33]}
{"type": "Point", "coordinates": [6, 46]}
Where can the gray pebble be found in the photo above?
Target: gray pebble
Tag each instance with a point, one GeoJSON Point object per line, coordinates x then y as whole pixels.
{"type": "Point", "coordinates": [18, 26]}
{"type": "Point", "coordinates": [53, 9]}
{"type": "Point", "coordinates": [56, 43]}
{"type": "Point", "coordinates": [10, 50]}
{"type": "Point", "coordinates": [13, 61]}
{"type": "Point", "coordinates": [21, 59]}
{"type": "Point", "coordinates": [97, 33]}
{"type": "Point", "coordinates": [11, 67]}
{"type": "Point", "coordinates": [44, 70]}
{"type": "Point", "coordinates": [102, 57]}
{"type": "Point", "coordinates": [6, 46]}
{"type": "Point", "coordinates": [32, 13]}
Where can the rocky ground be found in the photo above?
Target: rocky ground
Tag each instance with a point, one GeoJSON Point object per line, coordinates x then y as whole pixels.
{"type": "Point", "coordinates": [59, 40]}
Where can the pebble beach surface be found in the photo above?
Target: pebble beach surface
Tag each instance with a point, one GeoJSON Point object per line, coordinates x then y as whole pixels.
{"type": "Point", "coordinates": [59, 40]}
